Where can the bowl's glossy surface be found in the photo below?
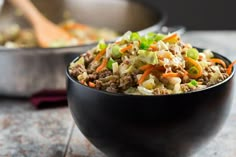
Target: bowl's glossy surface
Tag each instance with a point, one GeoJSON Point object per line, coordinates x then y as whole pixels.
{"type": "Point", "coordinates": [156, 126]}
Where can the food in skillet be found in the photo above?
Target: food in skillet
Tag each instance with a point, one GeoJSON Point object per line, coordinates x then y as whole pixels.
{"type": "Point", "coordinates": [15, 36]}
{"type": "Point", "coordinates": [154, 64]}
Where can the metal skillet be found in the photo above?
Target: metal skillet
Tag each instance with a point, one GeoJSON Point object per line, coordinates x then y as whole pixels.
{"type": "Point", "coordinates": [29, 70]}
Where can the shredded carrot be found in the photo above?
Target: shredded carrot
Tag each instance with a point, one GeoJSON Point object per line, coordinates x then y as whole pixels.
{"type": "Point", "coordinates": [197, 65]}
{"type": "Point", "coordinates": [185, 72]}
{"type": "Point", "coordinates": [99, 55]}
{"type": "Point", "coordinates": [153, 47]}
{"type": "Point", "coordinates": [103, 65]}
{"type": "Point", "coordinates": [166, 54]}
{"type": "Point", "coordinates": [145, 67]}
{"type": "Point", "coordinates": [83, 82]}
{"type": "Point", "coordinates": [160, 68]}
{"type": "Point", "coordinates": [170, 37]}
{"type": "Point", "coordinates": [229, 69]}
{"type": "Point", "coordinates": [219, 61]}
{"type": "Point", "coordinates": [126, 48]}
{"type": "Point", "coordinates": [171, 74]}
{"type": "Point", "coordinates": [91, 84]}
{"type": "Point", "coordinates": [145, 75]}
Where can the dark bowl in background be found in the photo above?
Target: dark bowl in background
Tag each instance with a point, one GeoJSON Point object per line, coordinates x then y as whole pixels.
{"type": "Point", "coordinates": [154, 126]}
{"type": "Point", "coordinates": [29, 70]}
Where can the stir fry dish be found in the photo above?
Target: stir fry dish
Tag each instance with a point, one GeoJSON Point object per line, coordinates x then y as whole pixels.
{"type": "Point", "coordinates": [16, 37]}
{"type": "Point", "coordinates": [154, 64]}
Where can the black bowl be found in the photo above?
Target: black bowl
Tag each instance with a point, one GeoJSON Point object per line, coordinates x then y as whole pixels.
{"type": "Point", "coordinates": [153, 126]}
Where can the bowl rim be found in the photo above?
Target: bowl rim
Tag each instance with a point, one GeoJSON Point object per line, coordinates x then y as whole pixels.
{"type": "Point", "coordinates": [70, 78]}
{"type": "Point", "coordinates": [156, 26]}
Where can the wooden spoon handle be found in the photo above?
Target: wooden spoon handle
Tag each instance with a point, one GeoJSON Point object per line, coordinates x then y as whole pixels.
{"type": "Point", "coordinates": [29, 10]}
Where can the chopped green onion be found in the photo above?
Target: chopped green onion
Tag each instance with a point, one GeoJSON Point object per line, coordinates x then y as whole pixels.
{"type": "Point", "coordinates": [151, 36]}
{"type": "Point", "coordinates": [159, 37]}
{"type": "Point", "coordinates": [193, 53]}
{"type": "Point", "coordinates": [144, 46]}
{"type": "Point", "coordinates": [116, 51]}
{"type": "Point", "coordinates": [102, 45]}
{"type": "Point", "coordinates": [109, 63]}
{"type": "Point", "coordinates": [145, 43]}
{"type": "Point", "coordinates": [193, 83]}
{"type": "Point", "coordinates": [155, 37]}
{"type": "Point", "coordinates": [193, 70]}
{"type": "Point", "coordinates": [149, 39]}
{"type": "Point", "coordinates": [134, 36]}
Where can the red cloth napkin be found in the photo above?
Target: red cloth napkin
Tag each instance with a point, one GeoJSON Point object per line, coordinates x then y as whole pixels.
{"type": "Point", "coordinates": [49, 98]}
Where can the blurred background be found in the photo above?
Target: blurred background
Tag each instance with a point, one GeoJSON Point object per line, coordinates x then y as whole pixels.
{"type": "Point", "coordinates": [198, 14]}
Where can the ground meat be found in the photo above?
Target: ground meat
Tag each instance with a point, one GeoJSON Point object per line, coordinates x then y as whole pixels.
{"type": "Point", "coordinates": [161, 91]}
{"type": "Point", "coordinates": [127, 81]}
{"type": "Point", "coordinates": [206, 76]}
{"type": "Point", "coordinates": [92, 67]}
{"type": "Point", "coordinates": [118, 60]}
{"type": "Point", "coordinates": [109, 83]}
{"type": "Point", "coordinates": [209, 72]}
{"type": "Point", "coordinates": [77, 70]}
{"type": "Point", "coordinates": [225, 76]}
{"type": "Point", "coordinates": [93, 76]}
{"type": "Point", "coordinates": [185, 79]}
{"type": "Point", "coordinates": [222, 69]}
{"type": "Point", "coordinates": [208, 69]}
{"type": "Point", "coordinates": [104, 73]}
{"type": "Point", "coordinates": [186, 88]}
{"type": "Point", "coordinates": [113, 88]}
{"type": "Point", "coordinates": [88, 57]}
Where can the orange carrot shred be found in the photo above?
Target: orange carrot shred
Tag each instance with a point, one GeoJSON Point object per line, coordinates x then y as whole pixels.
{"type": "Point", "coordinates": [145, 67]}
{"type": "Point", "coordinates": [197, 65]}
{"type": "Point", "coordinates": [91, 84]}
{"type": "Point", "coordinates": [170, 37]}
{"type": "Point", "coordinates": [219, 61]}
{"type": "Point", "coordinates": [154, 47]}
{"type": "Point", "coordinates": [160, 68]}
{"type": "Point", "coordinates": [145, 75]}
{"type": "Point", "coordinates": [171, 74]}
{"type": "Point", "coordinates": [99, 55]}
{"type": "Point", "coordinates": [103, 65]}
{"type": "Point", "coordinates": [126, 48]}
{"type": "Point", "coordinates": [229, 69]}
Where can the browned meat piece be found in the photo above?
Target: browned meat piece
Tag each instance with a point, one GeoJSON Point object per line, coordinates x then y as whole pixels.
{"type": "Point", "coordinates": [77, 70]}
{"type": "Point", "coordinates": [113, 88]}
{"type": "Point", "coordinates": [186, 88]}
{"type": "Point", "coordinates": [104, 73]}
{"type": "Point", "coordinates": [161, 91]}
{"type": "Point", "coordinates": [93, 76]}
{"type": "Point", "coordinates": [127, 81]}
{"type": "Point", "coordinates": [88, 57]}
{"type": "Point", "coordinates": [109, 83]}
{"type": "Point", "coordinates": [92, 67]}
